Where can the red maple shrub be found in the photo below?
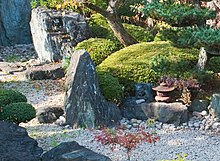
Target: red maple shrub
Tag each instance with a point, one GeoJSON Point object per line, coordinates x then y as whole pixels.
{"type": "Point", "coordinates": [126, 139]}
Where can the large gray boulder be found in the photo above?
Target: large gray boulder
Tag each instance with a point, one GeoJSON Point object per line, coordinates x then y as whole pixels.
{"type": "Point", "coordinates": [14, 22]}
{"type": "Point", "coordinates": [52, 32]}
{"type": "Point", "coordinates": [16, 145]}
{"type": "Point", "coordinates": [214, 107]}
{"type": "Point", "coordinates": [72, 151]}
{"type": "Point", "coordinates": [175, 113]}
{"type": "Point", "coordinates": [85, 106]}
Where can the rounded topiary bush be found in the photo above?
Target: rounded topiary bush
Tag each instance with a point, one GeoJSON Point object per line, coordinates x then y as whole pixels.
{"type": "Point", "coordinates": [11, 96]}
{"type": "Point", "coordinates": [98, 48]}
{"type": "Point", "coordinates": [110, 87]}
{"type": "Point", "coordinates": [17, 112]}
{"type": "Point", "coordinates": [100, 28]}
{"type": "Point", "coordinates": [146, 62]}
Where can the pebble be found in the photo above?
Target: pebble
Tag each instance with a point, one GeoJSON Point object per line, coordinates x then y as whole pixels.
{"type": "Point", "coordinates": [204, 113]}
{"type": "Point", "coordinates": [216, 125]}
{"type": "Point", "coordinates": [139, 101]}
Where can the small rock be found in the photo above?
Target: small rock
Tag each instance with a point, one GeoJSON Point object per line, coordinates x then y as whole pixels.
{"type": "Point", "coordinates": [202, 127]}
{"type": "Point", "coordinates": [190, 123]}
{"type": "Point", "coordinates": [139, 121]}
{"type": "Point", "coordinates": [203, 122]}
{"type": "Point", "coordinates": [133, 120]}
{"type": "Point", "coordinates": [207, 127]}
{"type": "Point", "coordinates": [61, 121]}
{"type": "Point", "coordinates": [204, 113]}
{"type": "Point", "coordinates": [196, 124]}
{"type": "Point", "coordinates": [128, 126]}
{"type": "Point", "coordinates": [159, 125]}
{"type": "Point", "coordinates": [67, 126]}
{"type": "Point", "coordinates": [184, 124]}
{"type": "Point", "coordinates": [142, 124]}
{"type": "Point", "coordinates": [135, 125]}
{"type": "Point", "coordinates": [216, 125]}
{"type": "Point", "coordinates": [165, 126]}
{"type": "Point", "coordinates": [172, 127]}
{"type": "Point", "coordinates": [139, 101]}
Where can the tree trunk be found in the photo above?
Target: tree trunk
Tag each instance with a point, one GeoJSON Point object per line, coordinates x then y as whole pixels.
{"type": "Point", "coordinates": [119, 31]}
{"type": "Point", "coordinates": [114, 21]}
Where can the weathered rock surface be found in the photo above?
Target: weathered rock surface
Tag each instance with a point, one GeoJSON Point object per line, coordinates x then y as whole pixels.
{"type": "Point", "coordinates": [52, 32]}
{"type": "Point", "coordinates": [72, 151]}
{"type": "Point", "coordinates": [14, 22]}
{"type": "Point", "coordinates": [131, 109]}
{"type": "Point", "coordinates": [84, 104]}
{"type": "Point", "coordinates": [199, 105]}
{"type": "Point", "coordinates": [16, 145]}
{"type": "Point", "coordinates": [49, 114]}
{"type": "Point", "coordinates": [144, 91]}
{"type": "Point", "coordinates": [175, 113]}
{"type": "Point", "coordinates": [46, 71]}
{"type": "Point", "coordinates": [214, 107]}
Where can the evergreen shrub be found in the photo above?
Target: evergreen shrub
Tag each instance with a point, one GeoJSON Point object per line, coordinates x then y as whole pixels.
{"type": "Point", "coordinates": [110, 87]}
{"type": "Point", "coordinates": [11, 96]}
{"type": "Point", "coordinates": [17, 112]}
{"type": "Point", "coordinates": [98, 48]}
{"type": "Point", "coordinates": [146, 62]}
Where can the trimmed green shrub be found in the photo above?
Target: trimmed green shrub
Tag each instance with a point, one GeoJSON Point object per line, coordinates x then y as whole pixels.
{"type": "Point", "coordinates": [110, 87]}
{"type": "Point", "coordinates": [213, 64]}
{"type": "Point", "coordinates": [146, 62]}
{"type": "Point", "coordinates": [98, 48]}
{"type": "Point", "coordinates": [139, 33]}
{"type": "Point", "coordinates": [17, 112]}
{"type": "Point", "coordinates": [11, 96]}
{"type": "Point", "coordinates": [100, 28]}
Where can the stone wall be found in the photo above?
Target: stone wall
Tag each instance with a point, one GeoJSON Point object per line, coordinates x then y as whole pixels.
{"type": "Point", "coordinates": [14, 22]}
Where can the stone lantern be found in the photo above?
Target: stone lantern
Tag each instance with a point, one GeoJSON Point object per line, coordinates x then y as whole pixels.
{"type": "Point", "coordinates": [162, 92]}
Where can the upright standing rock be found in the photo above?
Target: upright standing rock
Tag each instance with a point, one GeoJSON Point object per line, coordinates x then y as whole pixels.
{"type": "Point", "coordinates": [214, 107]}
{"type": "Point", "coordinates": [52, 32]}
{"type": "Point", "coordinates": [84, 104]}
{"type": "Point", "coordinates": [15, 16]}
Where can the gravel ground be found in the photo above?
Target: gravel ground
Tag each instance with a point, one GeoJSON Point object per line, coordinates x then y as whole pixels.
{"type": "Point", "coordinates": [198, 145]}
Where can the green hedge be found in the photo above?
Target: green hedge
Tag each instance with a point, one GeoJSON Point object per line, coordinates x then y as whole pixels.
{"type": "Point", "coordinates": [110, 87]}
{"type": "Point", "coordinates": [100, 28]}
{"type": "Point", "coordinates": [146, 62]}
{"type": "Point", "coordinates": [98, 48]}
{"type": "Point", "coordinates": [17, 112]}
{"type": "Point", "coordinates": [11, 96]}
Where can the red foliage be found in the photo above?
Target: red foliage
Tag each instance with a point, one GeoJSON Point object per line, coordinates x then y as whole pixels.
{"type": "Point", "coordinates": [128, 140]}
